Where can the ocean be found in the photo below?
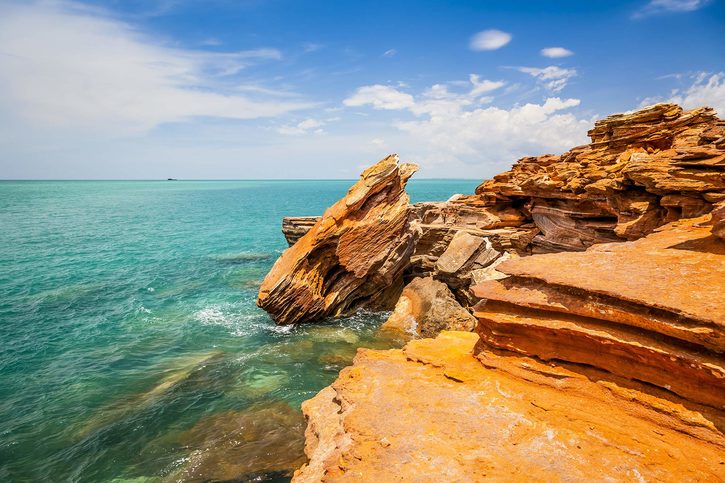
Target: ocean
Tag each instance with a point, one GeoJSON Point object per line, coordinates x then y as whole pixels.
{"type": "Point", "coordinates": [131, 348]}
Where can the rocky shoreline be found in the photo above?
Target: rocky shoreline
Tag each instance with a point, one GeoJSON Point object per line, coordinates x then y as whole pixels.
{"type": "Point", "coordinates": [593, 282]}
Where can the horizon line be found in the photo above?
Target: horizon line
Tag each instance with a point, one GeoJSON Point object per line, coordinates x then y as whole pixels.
{"type": "Point", "coordinates": [220, 179]}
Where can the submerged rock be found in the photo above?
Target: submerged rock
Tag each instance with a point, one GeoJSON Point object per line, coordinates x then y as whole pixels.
{"type": "Point", "coordinates": [243, 445]}
{"type": "Point", "coordinates": [353, 257]}
{"type": "Point", "coordinates": [425, 308]}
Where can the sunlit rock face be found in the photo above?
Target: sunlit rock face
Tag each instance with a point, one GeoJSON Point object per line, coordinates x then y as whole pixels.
{"type": "Point", "coordinates": [641, 170]}
{"type": "Point", "coordinates": [600, 324]}
{"type": "Point", "coordinates": [352, 258]}
{"type": "Point", "coordinates": [603, 364]}
{"type": "Point", "coordinates": [433, 411]}
{"type": "Point", "coordinates": [652, 310]}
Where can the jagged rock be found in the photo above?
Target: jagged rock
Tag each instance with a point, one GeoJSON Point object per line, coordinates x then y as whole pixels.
{"type": "Point", "coordinates": [425, 308]}
{"type": "Point", "coordinates": [295, 227]}
{"type": "Point", "coordinates": [432, 412]}
{"type": "Point", "coordinates": [641, 170]}
{"type": "Point", "coordinates": [651, 310]}
{"type": "Point", "coordinates": [353, 257]}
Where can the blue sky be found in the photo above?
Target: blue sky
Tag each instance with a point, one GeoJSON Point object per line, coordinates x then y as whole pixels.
{"type": "Point", "coordinates": [318, 89]}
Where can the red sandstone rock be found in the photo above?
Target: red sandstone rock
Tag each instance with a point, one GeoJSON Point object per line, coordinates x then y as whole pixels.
{"type": "Point", "coordinates": [425, 308]}
{"type": "Point", "coordinates": [353, 257]}
{"type": "Point", "coordinates": [641, 170]}
{"type": "Point", "coordinates": [434, 412]}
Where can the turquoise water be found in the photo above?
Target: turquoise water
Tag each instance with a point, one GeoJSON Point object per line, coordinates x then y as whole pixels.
{"type": "Point", "coordinates": [131, 347]}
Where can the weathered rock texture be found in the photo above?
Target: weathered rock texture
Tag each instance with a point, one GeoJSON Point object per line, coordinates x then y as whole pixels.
{"type": "Point", "coordinates": [652, 310]}
{"type": "Point", "coordinates": [433, 412]}
{"type": "Point", "coordinates": [353, 257]}
{"type": "Point", "coordinates": [641, 170]}
{"type": "Point", "coordinates": [425, 308]}
{"type": "Point", "coordinates": [295, 227]}
{"type": "Point", "coordinates": [600, 342]}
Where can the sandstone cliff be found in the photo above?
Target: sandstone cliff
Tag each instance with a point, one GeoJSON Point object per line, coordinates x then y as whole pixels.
{"type": "Point", "coordinates": [598, 295]}
{"type": "Point", "coordinates": [605, 365]}
{"type": "Point", "coordinates": [642, 170]}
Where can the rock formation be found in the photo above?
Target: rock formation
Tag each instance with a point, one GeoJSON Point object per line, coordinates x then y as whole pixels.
{"type": "Point", "coordinates": [425, 308]}
{"type": "Point", "coordinates": [642, 170]}
{"type": "Point", "coordinates": [652, 310]}
{"type": "Point", "coordinates": [433, 412]}
{"type": "Point", "coordinates": [295, 227]}
{"type": "Point", "coordinates": [353, 257]}
{"type": "Point", "coordinates": [599, 349]}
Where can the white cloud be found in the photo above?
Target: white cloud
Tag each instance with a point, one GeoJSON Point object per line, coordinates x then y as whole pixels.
{"type": "Point", "coordinates": [655, 7]}
{"type": "Point", "coordinates": [390, 53]}
{"type": "Point", "coordinates": [489, 135]}
{"type": "Point", "coordinates": [552, 77]}
{"type": "Point", "coordinates": [489, 40]}
{"type": "Point", "coordinates": [556, 52]}
{"type": "Point", "coordinates": [707, 89]}
{"type": "Point", "coordinates": [303, 127]}
{"type": "Point", "coordinates": [380, 97]}
{"type": "Point", "coordinates": [456, 129]}
{"type": "Point", "coordinates": [437, 99]}
{"type": "Point", "coordinates": [91, 74]}
{"type": "Point", "coordinates": [377, 142]}
{"type": "Point", "coordinates": [312, 47]}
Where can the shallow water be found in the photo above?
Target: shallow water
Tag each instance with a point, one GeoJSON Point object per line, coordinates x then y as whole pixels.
{"type": "Point", "coordinates": [131, 345]}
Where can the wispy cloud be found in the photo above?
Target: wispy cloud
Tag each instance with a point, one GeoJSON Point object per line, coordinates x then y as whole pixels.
{"type": "Point", "coordinates": [462, 127]}
{"type": "Point", "coordinates": [654, 7]}
{"type": "Point", "coordinates": [303, 127]}
{"type": "Point", "coordinates": [552, 77]}
{"type": "Point", "coordinates": [390, 53]}
{"type": "Point", "coordinates": [312, 47]}
{"type": "Point", "coordinates": [707, 89]}
{"type": "Point", "coordinates": [556, 52]}
{"type": "Point", "coordinates": [92, 73]}
{"type": "Point", "coordinates": [380, 97]}
{"type": "Point", "coordinates": [489, 40]}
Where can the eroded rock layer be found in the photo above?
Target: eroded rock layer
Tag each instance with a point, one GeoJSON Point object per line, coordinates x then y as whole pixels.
{"type": "Point", "coordinates": [353, 257]}
{"type": "Point", "coordinates": [434, 412]}
{"type": "Point", "coordinates": [641, 170]}
{"type": "Point", "coordinates": [652, 310]}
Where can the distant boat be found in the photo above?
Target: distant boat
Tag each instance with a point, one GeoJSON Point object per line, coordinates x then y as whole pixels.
{"type": "Point", "coordinates": [171, 179]}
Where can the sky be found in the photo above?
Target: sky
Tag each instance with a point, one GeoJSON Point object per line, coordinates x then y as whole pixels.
{"type": "Point", "coordinates": [262, 89]}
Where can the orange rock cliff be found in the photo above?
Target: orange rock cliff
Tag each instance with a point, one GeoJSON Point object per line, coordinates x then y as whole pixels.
{"type": "Point", "coordinates": [594, 282]}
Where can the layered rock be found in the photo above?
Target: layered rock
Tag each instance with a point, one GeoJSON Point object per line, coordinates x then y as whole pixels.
{"type": "Point", "coordinates": [652, 310]}
{"type": "Point", "coordinates": [604, 359]}
{"type": "Point", "coordinates": [295, 227]}
{"type": "Point", "coordinates": [353, 257]}
{"type": "Point", "coordinates": [641, 170]}
{"type": "Point", "coordinates": [425, 308]}
{"type": "Point", "coordinates": [432, 411]}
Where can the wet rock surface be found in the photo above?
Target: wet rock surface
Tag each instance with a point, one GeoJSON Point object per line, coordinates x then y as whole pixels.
{"type": "Point", "coordinates": [425, 308]}
{"type": "Point", "coordinates": [256, 444]}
